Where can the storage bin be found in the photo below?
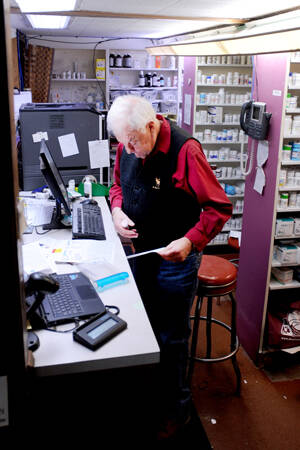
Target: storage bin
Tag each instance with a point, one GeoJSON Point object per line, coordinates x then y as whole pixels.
{"type": "Point", "coordinates": [169, 96]}
{"type": "Point", "coordinates": [149, 95]}
{"type": "Point", "coordinates": [168, 108]}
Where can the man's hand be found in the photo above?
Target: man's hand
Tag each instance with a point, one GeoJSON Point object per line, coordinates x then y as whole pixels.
{"type": "Point", "coordinates": [177, 250]}
{"type": "Point", "coordinates": [122, 224]}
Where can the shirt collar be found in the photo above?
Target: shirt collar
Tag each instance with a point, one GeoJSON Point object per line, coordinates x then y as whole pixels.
{"type": "Point", "coordinates": [163, 140]}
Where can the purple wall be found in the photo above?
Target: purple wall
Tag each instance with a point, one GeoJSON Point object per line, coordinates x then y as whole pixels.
{"type": "Point", "coordinates": [270, 74]}
{"type": "Point", "coordinates": [189, 88]}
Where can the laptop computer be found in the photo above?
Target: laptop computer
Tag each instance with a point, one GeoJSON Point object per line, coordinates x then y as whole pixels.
{"type": "Point", "coordinates": [76, 298]}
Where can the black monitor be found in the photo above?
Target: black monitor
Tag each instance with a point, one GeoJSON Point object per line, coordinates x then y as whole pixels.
{"type": "Point", "coordinates": [56, 185]}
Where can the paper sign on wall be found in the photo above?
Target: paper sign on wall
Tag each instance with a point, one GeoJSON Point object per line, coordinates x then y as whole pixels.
{"type": "Point", "coordinates": [99, 153]}
{"type": "Point", "coordinates": [68, 145]}
{"type": "Point", "coordinates": [187, 109]}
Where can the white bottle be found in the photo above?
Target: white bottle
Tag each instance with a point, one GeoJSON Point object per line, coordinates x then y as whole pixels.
{"type": "Point", "coordinates": [141, 79]}
{"type": "Point", "coordinates": [87, 186]}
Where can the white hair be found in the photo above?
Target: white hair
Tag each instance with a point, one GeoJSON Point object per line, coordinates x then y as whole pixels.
{"type": "Point", "coordinates": [130, 111]}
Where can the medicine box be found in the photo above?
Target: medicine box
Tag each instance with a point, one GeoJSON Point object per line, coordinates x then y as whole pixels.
{"type": "Point", "coordinates": [285, 227]}
{"type": "Point", "coordinates": [283, 275]}
{"type": "Point", "coordinates": [287, 254]}
{"type": "Point", "coordinates": [297, 227]}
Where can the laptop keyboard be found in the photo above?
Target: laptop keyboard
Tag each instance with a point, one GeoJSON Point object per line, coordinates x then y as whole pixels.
{"type": "Point", "coordinates": [62, 302]}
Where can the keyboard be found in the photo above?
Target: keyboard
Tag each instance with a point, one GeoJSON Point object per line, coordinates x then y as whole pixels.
{"type": "Point", "coordinates": [87, 222]}
{"type": "Point", "coordinates": [62, 302]}
{"type": "Point", "coordinates": [76, 298]}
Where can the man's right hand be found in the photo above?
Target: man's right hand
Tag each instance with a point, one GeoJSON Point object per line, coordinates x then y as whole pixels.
{"type": "Point", "coordinates": [122, 224]}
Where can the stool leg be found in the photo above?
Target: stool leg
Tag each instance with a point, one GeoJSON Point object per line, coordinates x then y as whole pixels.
{"type": "Point", "coordinates": [208, 327]}
{"type": "Point", "coordinates": [194, 338]}
{"type": "Point", "coordinates": [233, 343]}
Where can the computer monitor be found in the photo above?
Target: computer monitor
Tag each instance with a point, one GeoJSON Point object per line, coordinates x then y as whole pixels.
{"type": "Point", "coordinates": [56, 185]}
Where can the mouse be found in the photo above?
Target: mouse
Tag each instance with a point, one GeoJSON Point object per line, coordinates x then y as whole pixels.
{"type": "Point", "coordinates": [89, 201]}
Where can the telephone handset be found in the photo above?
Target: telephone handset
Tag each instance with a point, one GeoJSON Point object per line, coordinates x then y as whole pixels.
{"type": "Point", "coordinates": [254, 120]}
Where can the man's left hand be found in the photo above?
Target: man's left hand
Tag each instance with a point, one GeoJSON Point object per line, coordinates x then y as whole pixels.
{"type": "Point", "coordinates": [177, 250]}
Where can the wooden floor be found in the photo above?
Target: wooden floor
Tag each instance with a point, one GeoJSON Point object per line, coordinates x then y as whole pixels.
{"type": "Point", "coordinates": [266, 416]}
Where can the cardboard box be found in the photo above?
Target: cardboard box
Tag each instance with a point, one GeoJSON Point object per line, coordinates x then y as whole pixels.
{"type": "Point", "coordinates": [287, 254]}
{"type": "Point", "coordinates": [285, 227]}
{"type": "Point", "coordinates": [283, 274]}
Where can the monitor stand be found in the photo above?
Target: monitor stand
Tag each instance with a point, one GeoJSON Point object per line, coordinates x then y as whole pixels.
{"type": "Point", "coordinates": [56, 220]}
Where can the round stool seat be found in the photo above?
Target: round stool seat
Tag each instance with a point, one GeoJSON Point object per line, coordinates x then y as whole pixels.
{"type": "Point", "coordinates": [216, 275]}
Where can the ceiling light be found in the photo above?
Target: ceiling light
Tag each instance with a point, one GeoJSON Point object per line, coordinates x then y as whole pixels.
{"type": "Point", "coordinates": [46, 5]}
{"type": "Point", "coordinates": [279, 33]}
{"type": "Point", "coordinates": [48, 22]}
{"type": "Point", "coordinates": [272, 42]}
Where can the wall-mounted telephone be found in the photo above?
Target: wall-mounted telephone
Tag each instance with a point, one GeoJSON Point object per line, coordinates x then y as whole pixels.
{"type": "Point", "coordinates": [254, 120]}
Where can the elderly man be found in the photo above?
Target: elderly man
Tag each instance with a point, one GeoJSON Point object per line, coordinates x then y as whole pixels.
{"type": "Point", "coordinates": [165, 196]}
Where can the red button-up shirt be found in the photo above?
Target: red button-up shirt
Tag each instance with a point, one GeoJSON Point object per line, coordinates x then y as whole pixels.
{"type": "Point", "coordinates": [194, 175]}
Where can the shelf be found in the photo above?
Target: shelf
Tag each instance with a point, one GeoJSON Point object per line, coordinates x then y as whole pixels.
{"type": "Point", "coordinates": [276, 263]}
{"type": "Point", "coordinates": [275, 285]}
{"type": "Point", "coordinates": [223, 161]}
{"type": "Point", "coordinates": [225, 65]}
{"type": "Point", "coordinates": [220, 124]}
{"type": "Point", "coordinates": [237, 105]}
{"type": "Point", "coordinates": [223, 142]}
{"type": "Point", "coordinates": [152, 69]}
{"type": "Point", "coordinates": [288, 210]}
{"type": "Point", "coordinates": [137, 88]}
{"type": "Point", "coordinates": [230, 178]}
{"type": "Point", "coordinates": [292, 111]}
{"type": "Point", "coordinates": [216, 85]}
{"type": "Point", "coordinates": [292, 236]}
{"type": "Point", "coordinates": [164, 101]}
{"type": "Point", "coordinates": [289, 188]}
{"type": "Point", "coordinates": [292, 136]}
{"type": "Point", "coordinates": [235, 195]}
{"type": "Point", "coordinates": [290, 163]}
{"type": "Point", "coordinates": [75, 80]}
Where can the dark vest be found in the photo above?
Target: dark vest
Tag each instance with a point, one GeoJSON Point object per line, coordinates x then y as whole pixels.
{"type": "Point", "coordinates": [161, 213]}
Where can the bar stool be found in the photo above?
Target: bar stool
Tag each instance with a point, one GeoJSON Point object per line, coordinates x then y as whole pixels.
{"type": "Point", "coordinates": [216, 277]}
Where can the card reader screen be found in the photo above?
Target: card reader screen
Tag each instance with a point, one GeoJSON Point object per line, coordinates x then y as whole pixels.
{"type": "Point", "coordinates": [100, 329]}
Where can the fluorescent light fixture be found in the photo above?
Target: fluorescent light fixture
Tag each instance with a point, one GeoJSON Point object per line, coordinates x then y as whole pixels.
{"type": "Point", "coordinates": [274, 42]}
{"type": "Point", "coordinates": [46, 5]}
{"type": "Point", "coordinates": [47, 21]}
{"type": "Point", "coordinates": [273, 35]}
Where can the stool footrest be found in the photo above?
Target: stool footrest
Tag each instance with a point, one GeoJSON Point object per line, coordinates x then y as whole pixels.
{"type": "Point", "coordinates": [221, 358]}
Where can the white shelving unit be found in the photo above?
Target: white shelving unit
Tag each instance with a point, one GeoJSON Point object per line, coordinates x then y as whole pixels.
{"type": "Point", "coordinates": [122, 80]}
{"type": "Point", "coordinates": [219, 91]}
{"type": "Point", "coordinates": [292, 210]}
{"type": "Point", "coordinates": [84, 86]}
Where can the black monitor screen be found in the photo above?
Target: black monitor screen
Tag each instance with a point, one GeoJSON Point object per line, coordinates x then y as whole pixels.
{"type": "Point", "coordinates": [53, 178]}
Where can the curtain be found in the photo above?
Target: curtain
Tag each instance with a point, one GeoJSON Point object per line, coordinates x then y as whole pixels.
{"type": "Point", "coordinates": [37, 71]}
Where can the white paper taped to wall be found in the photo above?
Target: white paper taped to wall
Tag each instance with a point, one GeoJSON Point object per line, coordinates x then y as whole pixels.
{"type": "Point", "coordinates": [262, 157]}
{"type": "Point", "coordinates": [68, 145]}
{"type": "Point", "coordinates": [37, 137]}
{"type": "Point", "coordinates": [99, 154]}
